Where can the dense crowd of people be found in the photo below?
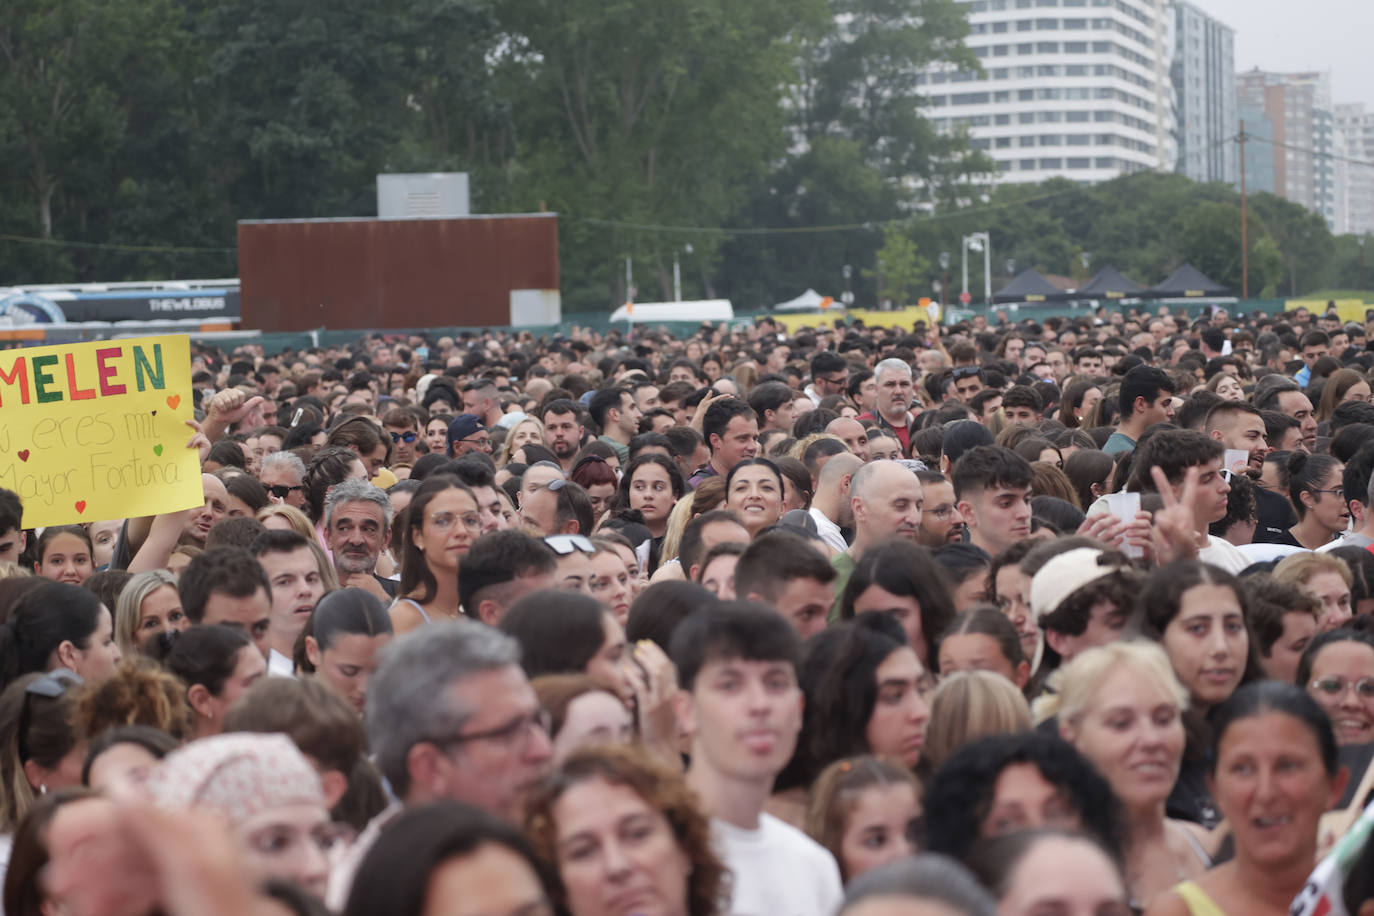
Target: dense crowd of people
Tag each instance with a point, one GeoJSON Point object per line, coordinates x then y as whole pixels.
{"type": "Point", "coordinates": [1048, 616]}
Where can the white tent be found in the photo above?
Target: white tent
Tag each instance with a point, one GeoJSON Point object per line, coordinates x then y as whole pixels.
{"type": "Point", "coordinates": [808, 301]}
{"type": "Point", "coordinates": [694, 310]}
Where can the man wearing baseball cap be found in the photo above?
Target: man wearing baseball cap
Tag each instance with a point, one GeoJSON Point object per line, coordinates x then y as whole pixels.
{"type": "Point", "coordinates": [1081, 598]}
{"type": "Point", "coordinates": [467, 434]}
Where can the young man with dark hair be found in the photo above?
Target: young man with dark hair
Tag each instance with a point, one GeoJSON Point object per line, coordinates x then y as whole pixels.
{"type": "Point", "coordinates": [1146, 399]}
{"type": "Point", "coordinates": [1315, 345]}
{"type": "Point", "coordinates": [13, 538]}
{"type": "Point", "coordinates": [1237, 425]}
{"type": "Point", "coordinates": [688, 449]}
{"type": "Point", "coordinates": [731, 430]}
{"type": "Point", "coordinates": [966, 382]}
{"type": "Point", "coordinates": [1174, 452]}
{"type": "Point", "coordinates": [992, 489]}
{"type": "Point", "coordinates": [986, 403]}
{"type": "Point", "coordinates": [741, 706]}
{"type": "Point", "coordinates": [941, 522]}
{"type": "Point", "coordinates": [1022, 404]}
{"type": "Point", "coordinates": [615, 411]}
{"type": "Point", "coordinates": [226, 585]}
{"type": "Point", "coordinates": [863, 390]}
{"type": "Point", "coordinates": [400, 424]}
{"type": "Point", "coordinates": [499, 569]}
{"type": "Point", "coordinates": [719, 526]}
{"type": "Point", "coordinates": [829, 375]}
{"type": "Point", "coordinates": [563, 430]}
{"type": "Point", "coordinates": [481, 399]}
{"type": "Point", "coordinates": [788, 573]}
{"type": "Point", "coordinates": [293, 574]}
{"type": "Point", "coordinates": [772, 401]}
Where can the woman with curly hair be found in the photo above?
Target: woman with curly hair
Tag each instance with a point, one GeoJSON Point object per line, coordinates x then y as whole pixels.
{"type": "Point", "coordinates": [1009, 783]}
{"type": "Point", "coordinates": [618, 800]}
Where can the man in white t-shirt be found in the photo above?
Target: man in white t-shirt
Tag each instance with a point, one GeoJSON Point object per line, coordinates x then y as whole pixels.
{"type": "Point", "coordinates": [742, 708]}
{"type": "Point", "coordinates": [1174, 451]}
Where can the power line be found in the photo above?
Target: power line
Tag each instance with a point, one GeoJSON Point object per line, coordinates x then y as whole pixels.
{"type": "Point", "coordinates": [1311, 152]}
{"type": "Point", "coordinates": [111, 246]}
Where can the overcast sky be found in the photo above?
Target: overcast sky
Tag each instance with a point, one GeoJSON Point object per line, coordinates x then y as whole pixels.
{"type": "Point", "coordinates": [1283, 36]}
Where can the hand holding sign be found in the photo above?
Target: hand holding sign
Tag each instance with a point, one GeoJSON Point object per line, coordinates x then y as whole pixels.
{"type": "Point", "coordinates": [88, 431]}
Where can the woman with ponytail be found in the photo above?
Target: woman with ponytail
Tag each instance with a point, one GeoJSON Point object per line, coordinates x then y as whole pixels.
{"type": "Point", "coordinates": [1314, 486]}
{"type": "Point", "coordinates": [56, 625]}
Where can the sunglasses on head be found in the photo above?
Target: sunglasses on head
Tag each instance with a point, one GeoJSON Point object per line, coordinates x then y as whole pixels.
{"type": "Point", "coordinates": [966, 372]}
{"type": "Point", "coordinates": [565, 544]}
{"type": "Point", "coordinates": [407, 436]}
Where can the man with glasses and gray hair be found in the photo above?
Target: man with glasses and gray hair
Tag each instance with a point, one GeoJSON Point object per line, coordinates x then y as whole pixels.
{"type": "Point", "coordinates": [357, 526]}
{"type": "Point", "coordinates": [283, 476]}
{"type": "Point", "coordinates": [450, 716]}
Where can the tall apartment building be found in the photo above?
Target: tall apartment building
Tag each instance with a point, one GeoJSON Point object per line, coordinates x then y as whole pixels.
{"type": "Point", "coordinates": [1078, 89]}
{"type": "Point", "coordinates": [1355, 169]}
{"type": "Point", "coordinates": [1300, 119]}
{"type": "Point", "coordinates": [1204, 79]}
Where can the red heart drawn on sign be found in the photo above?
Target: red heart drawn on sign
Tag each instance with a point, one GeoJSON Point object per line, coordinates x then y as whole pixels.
{"type": "Point", "coordinates": [173, 401]}
{"type": "Point", "coordinates": [23, 454]}
{"type": "Point", "coordinates": [81, 506]}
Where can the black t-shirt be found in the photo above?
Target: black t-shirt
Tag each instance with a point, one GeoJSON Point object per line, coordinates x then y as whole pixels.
{"type": "Point", "coordinates": [1275, 516]}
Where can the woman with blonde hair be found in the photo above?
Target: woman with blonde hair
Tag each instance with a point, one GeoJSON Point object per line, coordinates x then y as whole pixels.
{"type": "Point", "coordinates": [528, 431]}
{"type": "Point", "coordinates": [150, 604]}
{"type": "Point", "coordinates": [281, 517]}
{"type": "Point", "coordinates": [969, 705]}
{"type": "Point", "coordinates": [1121, 706]}
{"type": "Point", "coordinates": [1324, 577]}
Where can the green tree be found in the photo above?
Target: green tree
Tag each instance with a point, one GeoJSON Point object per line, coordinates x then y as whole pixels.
{"type": "Point", "coordinates": [647, 112]}
{"type": "Point", "coordinates": [1211, 241]}
{"type": "Point", "coordinates": [899, 270]}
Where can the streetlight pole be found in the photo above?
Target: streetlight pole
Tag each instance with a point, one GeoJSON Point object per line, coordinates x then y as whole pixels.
{"type": "Point", "coordinates": [980, 241]}
{"type": "Point", "coordinates": [944, 278]}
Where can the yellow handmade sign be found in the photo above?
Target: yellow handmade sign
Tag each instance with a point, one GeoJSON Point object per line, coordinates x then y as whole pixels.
{"type": "Point", "coordinates": [96, 431]}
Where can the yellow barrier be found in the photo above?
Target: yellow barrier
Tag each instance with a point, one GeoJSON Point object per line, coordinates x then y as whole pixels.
{"type": "Point", "coordinates": [901, 318]}
{"type": "Point", "coordinates": [1348, 309]}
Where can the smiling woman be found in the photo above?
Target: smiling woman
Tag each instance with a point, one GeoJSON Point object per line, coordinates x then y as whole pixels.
{"type": "Point", "coordinates": [1121, 706]}
{"type": "Point", "coordinates": [1275, 769]}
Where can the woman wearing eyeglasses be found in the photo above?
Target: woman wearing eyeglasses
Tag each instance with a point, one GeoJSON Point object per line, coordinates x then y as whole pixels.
{"type": "Point", "coordinates": [1337, 671]}
{"type": "Point", "coordinates": [438, 527]}
{"type": "Point", "coordinates": [1314, 485]}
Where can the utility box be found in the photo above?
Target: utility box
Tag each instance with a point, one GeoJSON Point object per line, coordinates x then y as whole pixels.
{"type": "Point", "coordinates": [423, 195]}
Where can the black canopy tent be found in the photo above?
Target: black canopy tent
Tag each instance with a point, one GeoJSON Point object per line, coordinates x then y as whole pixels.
{"type": "Point", "coordinates": [1029, 286]}
{"type": "Point", "coordinates": [1109, 283]}
{"type": "Point", "coordinates": [1187, 283]}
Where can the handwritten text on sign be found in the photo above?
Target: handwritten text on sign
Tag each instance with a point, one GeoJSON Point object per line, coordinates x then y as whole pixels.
{"type": "Point", "coordinates": [96, 431]}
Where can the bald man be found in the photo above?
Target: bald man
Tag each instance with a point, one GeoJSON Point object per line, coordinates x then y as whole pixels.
{"type": "Point", "coordinates": [853, 434]}
{"type": "Point", "coordinates": [887, 500]}
{"type": "Point", "coordinates": [830, 507]}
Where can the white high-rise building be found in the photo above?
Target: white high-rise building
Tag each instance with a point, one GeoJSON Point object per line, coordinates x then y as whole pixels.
{"type": "Point", "coordinates": [1355, 169]}
{"type": "Point", "coordinates": [1077, 89]}
{"type": "Point", "coordinates": [1204, 78]}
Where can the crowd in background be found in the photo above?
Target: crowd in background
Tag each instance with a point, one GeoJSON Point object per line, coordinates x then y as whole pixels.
{"type": "Point", "coordinates": [1059, 616]}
